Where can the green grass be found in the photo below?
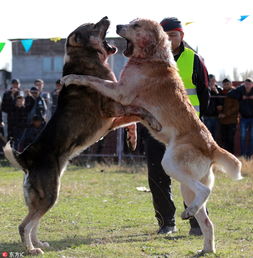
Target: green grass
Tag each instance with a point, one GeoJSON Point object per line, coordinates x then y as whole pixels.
{"type": "Point", "coordinates": [101, 214]}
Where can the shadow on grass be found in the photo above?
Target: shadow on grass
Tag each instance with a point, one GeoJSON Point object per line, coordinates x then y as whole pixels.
{"type": "Point", "coordinates": [75, 241]}
{"type": "Point", "coordinates": [11, 247]}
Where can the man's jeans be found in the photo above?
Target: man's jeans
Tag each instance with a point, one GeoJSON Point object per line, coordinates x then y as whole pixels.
{"type": "Point", "coordinates": [246, 126]}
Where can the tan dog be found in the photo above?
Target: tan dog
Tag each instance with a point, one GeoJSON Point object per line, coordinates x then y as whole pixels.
{"type": "Point", "coordinates": [150, 80]}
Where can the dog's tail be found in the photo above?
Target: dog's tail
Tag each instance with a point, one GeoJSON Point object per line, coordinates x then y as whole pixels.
{"type": "Point", "coordinates": [228, 163]}
{"type": "Point", "coordinates": [11, 155]}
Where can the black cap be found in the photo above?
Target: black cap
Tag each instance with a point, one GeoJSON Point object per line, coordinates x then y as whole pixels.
{"type": "Point", "coordinates": [34, 89]}
{"type": "Point", "coordinates": [226, 80]}
{"type": "Point", "coordinates": [15, 81]}
{"type": "Point", "coordinates": [171, 23]}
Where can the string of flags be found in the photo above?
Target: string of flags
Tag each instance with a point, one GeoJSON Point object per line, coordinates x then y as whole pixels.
{"type": "Point", "coordinates": [27, 43]}
{"type": "Point", "coordinates": [226, 19]}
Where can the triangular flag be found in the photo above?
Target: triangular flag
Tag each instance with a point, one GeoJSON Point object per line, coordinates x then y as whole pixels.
{"type": "Point", "coordinates": [2, 44]}
{"type": "Point", "coordinates": [55, 39]}
{"type": "Point", "coordinates": [188, 23]}
{"type": "Point", "coordinates": [243, 17]}
{"type": "Point", "coordinates": [27, 44]}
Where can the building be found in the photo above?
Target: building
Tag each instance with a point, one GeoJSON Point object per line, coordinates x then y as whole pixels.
{"type": "Point", "coordinates": [45, 60]}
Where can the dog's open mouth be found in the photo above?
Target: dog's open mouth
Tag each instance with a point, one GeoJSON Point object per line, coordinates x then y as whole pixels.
{"type": "Point", "coordinates": [129, 48]}
{"type": "Point", "coordinates": [109, 49]}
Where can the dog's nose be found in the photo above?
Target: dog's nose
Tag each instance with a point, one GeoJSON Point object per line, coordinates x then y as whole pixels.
{"type": "Point", "coordinates": [105, 18]}
{"type": "Point", "coordinates": [119, 28]}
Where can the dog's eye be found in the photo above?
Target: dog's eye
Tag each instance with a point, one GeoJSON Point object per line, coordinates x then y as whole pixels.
{"type": "Point", "coordinates": [136, 25]}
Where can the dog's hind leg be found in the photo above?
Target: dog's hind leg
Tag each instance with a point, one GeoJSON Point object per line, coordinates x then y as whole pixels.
{"type": "Point", "coordinates": [25, 230]}
{"type": "Point", "coordinates": [36, 242]}
{"type": "Point", "coordinates": [183, 171]}
{"type": "Point", "coordinates": [207, 229]}
{"type": "Point", "coordinates": [39, 198]}
{"type": "Point", "coordinates": [203, 220]}
{"type": "Point", "coordinates": [28, 229]}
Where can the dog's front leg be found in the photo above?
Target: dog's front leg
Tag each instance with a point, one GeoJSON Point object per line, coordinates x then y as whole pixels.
{"type": "Point", "coordinates": [145, 116]}
{"type": "Point", "coordinates": [110, 89]}
{"type": "Point", "coordinates": [132, 114]}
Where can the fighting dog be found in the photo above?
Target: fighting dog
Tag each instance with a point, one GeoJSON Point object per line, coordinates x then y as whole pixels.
{"type": "Point", "coordinates": [82, 117]}
{"type": "Point", "coordinates": [150, 80]}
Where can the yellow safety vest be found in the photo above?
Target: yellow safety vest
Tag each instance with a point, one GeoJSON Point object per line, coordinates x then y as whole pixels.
{"type": "Point", "coordinates": [185, 66]}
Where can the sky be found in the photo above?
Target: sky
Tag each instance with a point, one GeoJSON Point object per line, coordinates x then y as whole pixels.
{"type": "Point", "coordinates": [222, 40]}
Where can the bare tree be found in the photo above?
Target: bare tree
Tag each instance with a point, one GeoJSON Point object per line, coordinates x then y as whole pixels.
{"type": "Point", "coordinates": [223, 75]}
{"type": "Point", "coordinates": [236, 74]}
{"type": "Point", "coordinates": [247, 74]}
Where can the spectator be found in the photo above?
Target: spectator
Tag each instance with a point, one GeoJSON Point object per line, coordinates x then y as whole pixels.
{"type": "Point", "coordinates": [31, 132]}
{"type": "Point", "coordinates": [210, 117]}
{"type": "Point", "coordinates": [55, 94]}
{"type": "Point", "coordinates": [244, 94]}
{"type": "Point", "coordinates": [2, 138]}
{"type": "Point", "coordinates": [20, 114]}
{"type": "Point", "coordinates": [39, 84]}
{"type": "Point", "coordinates": [39, 106]}
{"type": "Point", "coordinates": [228, 117]}
{"type": "Point", "coordinates": [195, 77]}
{"type": "Point", "coordinates": [8, 104]}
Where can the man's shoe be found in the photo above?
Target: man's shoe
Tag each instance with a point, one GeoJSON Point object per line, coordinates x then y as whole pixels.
{"type": "Point", "coordinates": [167, 230]}
{"type": "Point", "coordinates": [195, 232]}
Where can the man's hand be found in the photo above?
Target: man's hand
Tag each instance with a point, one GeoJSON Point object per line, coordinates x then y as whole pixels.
{"type": "Point", "coordinates": [131, 136]}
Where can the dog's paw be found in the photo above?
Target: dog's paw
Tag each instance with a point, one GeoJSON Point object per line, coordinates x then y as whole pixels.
{"type": "Point", "coordinates": [154, 124]}
{"type": "Point", "coordinates": [70, 79]}
{"type": "Point", "coordinates": [42, 244]}
{"type": "Point", "coordinates": [201, 253]}
{"type": "Point", "coordinates": [35, 251]}
{"type": "Point", "coordinates": [189, 212]}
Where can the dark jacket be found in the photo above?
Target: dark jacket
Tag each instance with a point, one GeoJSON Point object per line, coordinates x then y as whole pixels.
{"type": "Point", "coordinates": [8, 104]}
{"type": "Point", "coordinates": [20, 116]}
{"type": "Point", "coordinates": [245, 105]}
{"type": "Point", "coordinates": [29, 135]}
{"type": "Point", "coordinates": [199, 79]}
{"type": "Point", "coordinates": [39, 107]}
{"type": "Point", "coordinates": [215, 101]}
{"type": "Point", "coordinates": [230, 109]}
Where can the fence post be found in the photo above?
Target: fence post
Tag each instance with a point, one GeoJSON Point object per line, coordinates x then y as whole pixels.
{"type": "Point", "coordinates": [120, 145]}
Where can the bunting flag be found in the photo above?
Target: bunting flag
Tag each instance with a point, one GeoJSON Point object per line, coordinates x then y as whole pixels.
{"type": "Point", "coordinates": [188, 23]}
{"type": "Point", "coordinates": [27, 44]}
{"type": "Point", "coordinates": [56, 39]}
{"type": "Point", "coordinates": [2, 44]}
{"type": "Point", "coordinates": [243, 17]}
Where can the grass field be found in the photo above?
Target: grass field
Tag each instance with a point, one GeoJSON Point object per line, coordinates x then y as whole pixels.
{"type": "Point", "coordinates": [101, 214]}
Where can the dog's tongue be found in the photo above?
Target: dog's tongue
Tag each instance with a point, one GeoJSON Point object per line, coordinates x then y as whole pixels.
{"type": "Point", "coordinates": [110, 49]}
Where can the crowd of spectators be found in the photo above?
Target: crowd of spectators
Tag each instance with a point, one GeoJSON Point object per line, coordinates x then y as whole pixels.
{"type": "Point", "coordinates": [26, 111]}
{"type": "Point", "coordinates": [230, 110]}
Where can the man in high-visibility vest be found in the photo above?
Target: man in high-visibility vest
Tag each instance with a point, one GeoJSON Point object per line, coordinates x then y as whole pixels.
{"type": "Point", "coordinates": [195, 77]}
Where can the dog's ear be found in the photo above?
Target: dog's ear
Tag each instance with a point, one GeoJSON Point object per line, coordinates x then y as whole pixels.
{"type": "Point", "coordinates": [74, 40]}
